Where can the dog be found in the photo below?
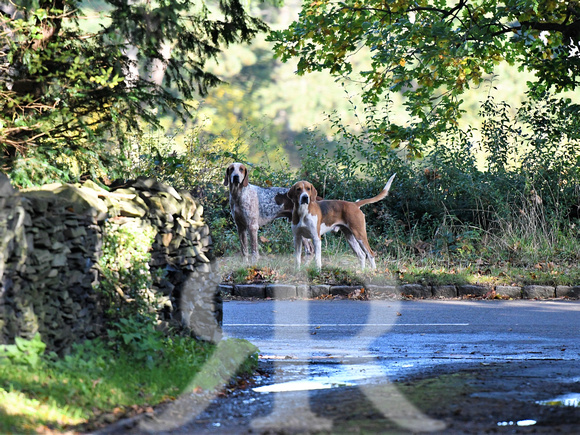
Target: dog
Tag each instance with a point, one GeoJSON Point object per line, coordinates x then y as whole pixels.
{"type": "Point", "coordinates": [312, 218]}
{"type": "Point", "coordinates": [253, 207]}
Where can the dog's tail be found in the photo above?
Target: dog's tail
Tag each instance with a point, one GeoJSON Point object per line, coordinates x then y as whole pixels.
{"type": "Point", "coordinates": [380, 196]}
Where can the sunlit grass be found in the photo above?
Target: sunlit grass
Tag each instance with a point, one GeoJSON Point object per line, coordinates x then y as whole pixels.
{"type": "Point", "coordinates": [96, 385]}
{"type": "Point", "coordinates": [19, 413]}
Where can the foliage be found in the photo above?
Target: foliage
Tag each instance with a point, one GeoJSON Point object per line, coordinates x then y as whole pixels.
{"type": "Point", "coordinates": [433, 52]}
{"type": "Point", "coordinates": [201, 168]}
{"type": "Point", "coordinates": [507, 191]}
{"type": "Point", "coordinates": [23, 351]}
{"type": "Point", "coordinates": [131, 306]}
{"type": "Point", "coordinates": [124, 265]}
{"type": "Point", "coordinates": [137, 336]}
{"type": "Point", "coordinates": [265, 104]}
{"type": "Point", "coordinates": [69, 93]}
{"type": "Point", "coordinates": [199, 165]}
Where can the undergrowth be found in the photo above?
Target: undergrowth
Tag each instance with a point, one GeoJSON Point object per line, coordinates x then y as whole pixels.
{"type": "Point", "coordinates": [498, 205]}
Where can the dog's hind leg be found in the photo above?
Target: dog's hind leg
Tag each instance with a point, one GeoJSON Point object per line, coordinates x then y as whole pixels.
{"type": "Point", "coordinates": [355, 245]}
{"type": "Point", "coordinates": [369, 254]}
{"type": "Point", "coordinates": [308, 246]}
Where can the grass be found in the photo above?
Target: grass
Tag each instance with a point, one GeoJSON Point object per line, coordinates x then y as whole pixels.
{"type": "Point", "coordinates": [526, 248]}
{"type": "Point", "coordinates": [21, 414]}
{"type": "Point", "coordinates": [343, 269]}
{"type": "Point", "coordinates": [96, 384]}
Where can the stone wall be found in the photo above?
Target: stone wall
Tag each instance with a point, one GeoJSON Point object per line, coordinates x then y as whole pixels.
{"type": "Point", "coordinates": [51, 240]}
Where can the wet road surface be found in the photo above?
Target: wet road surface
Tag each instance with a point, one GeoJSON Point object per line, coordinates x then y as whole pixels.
{"type": "Point", "coordinates": [341, 366]}
{"type": "Point", "coordinates": [370, 339]}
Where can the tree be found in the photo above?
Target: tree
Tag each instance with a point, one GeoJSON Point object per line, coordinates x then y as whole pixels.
{"type": "Point", "coordinates": [71, 94]}
{"type": "Point", "coordinates": [431, 51]}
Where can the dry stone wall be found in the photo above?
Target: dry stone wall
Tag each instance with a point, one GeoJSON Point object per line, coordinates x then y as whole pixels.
{"type": "Point", "coordinates": [51, 240]}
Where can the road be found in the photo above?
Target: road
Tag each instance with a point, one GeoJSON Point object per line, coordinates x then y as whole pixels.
{"type": "Point", "coordinates": [342, 366]}
{"type": "Point", "coordinates": [402, 330]}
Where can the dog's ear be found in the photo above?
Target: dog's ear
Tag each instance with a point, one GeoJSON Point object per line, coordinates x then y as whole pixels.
{"type": "Point", "coordinates": [291, 193]}
{"type": "Point", "coordinates": [313, 193]}
{"type": "Point", "coordinates": [246, 176]}
{"type": "Point", "coordinates": [227, 177]}
{"type": "Point", "coordinates": [284, 200]}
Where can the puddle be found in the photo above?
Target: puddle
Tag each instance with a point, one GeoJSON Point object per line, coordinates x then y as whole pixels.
{"type": "Point", "coordinates": [571, 399]}
{"type": "Point", "coordinates": [295, 375]}
{"type": "Point", "coordinates": [305, 385]}
{"type": "Point", "coordinates": [517, 423]}
{"type": "Point", "coordinates": [300, 377]}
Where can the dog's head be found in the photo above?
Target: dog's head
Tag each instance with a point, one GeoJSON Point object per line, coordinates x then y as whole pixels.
{"type": "Point", "coordinates": [302, 192]}
{"type": "Point", "coordinates": [236, 175]}
{"type": "Point", "coordinates": [283, 200]}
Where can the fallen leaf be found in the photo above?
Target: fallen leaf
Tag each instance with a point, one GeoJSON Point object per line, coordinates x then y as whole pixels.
{"type": "Point", "coordinates": [490, 295]}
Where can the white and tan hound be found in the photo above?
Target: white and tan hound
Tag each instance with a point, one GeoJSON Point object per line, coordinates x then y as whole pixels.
{"type": "Point", "coordinates": [253, 206]}
{"type": "Point", "coordinates": [311, 219]}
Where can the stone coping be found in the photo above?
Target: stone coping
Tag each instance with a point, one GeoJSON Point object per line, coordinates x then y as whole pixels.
{"type": "Point", "coordinates": [401, 291]}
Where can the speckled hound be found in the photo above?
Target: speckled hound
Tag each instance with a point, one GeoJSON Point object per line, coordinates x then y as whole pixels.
{"type": "Point", "coordinates": [252, 206]}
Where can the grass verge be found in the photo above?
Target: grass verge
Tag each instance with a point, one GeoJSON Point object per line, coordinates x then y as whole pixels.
{"type": "Point", "coordinates": [343, 269]}
{"type": "Point", "coordinates": [96, 384]}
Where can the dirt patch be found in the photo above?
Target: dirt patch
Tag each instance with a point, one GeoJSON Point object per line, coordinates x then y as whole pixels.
{"type": "Point", "coordinates": [485, 399]}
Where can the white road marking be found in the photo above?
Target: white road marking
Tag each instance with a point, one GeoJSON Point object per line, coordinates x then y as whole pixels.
{"type": "Point", "coordinates": [341, 324]}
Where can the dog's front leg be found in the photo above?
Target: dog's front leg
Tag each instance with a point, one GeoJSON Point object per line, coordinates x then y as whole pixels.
{"type": "Point", "coordinates": [242, 234]}
{"type": "Point", "coordinates": [254, 242]}
{"type": "Point", "coordinates": [297, 250]}
{"type": "Point", "coordinates": [242, 228]}
{"type": "Point", "coordinates": [317, 251]}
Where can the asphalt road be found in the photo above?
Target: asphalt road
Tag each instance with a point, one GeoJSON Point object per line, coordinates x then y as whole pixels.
{"type": "Point", "coordinates": [404, 330]}
{"type": "Point", "coordinates": [342, 366]}
{"type": "Point", "coordinates": [322, 344]}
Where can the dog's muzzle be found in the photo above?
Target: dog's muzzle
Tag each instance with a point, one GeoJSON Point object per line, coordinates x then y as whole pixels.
{"type": "Point", "coordinates": [304, 199]}
{"type": "Point", "coordinates": [235, 179]}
